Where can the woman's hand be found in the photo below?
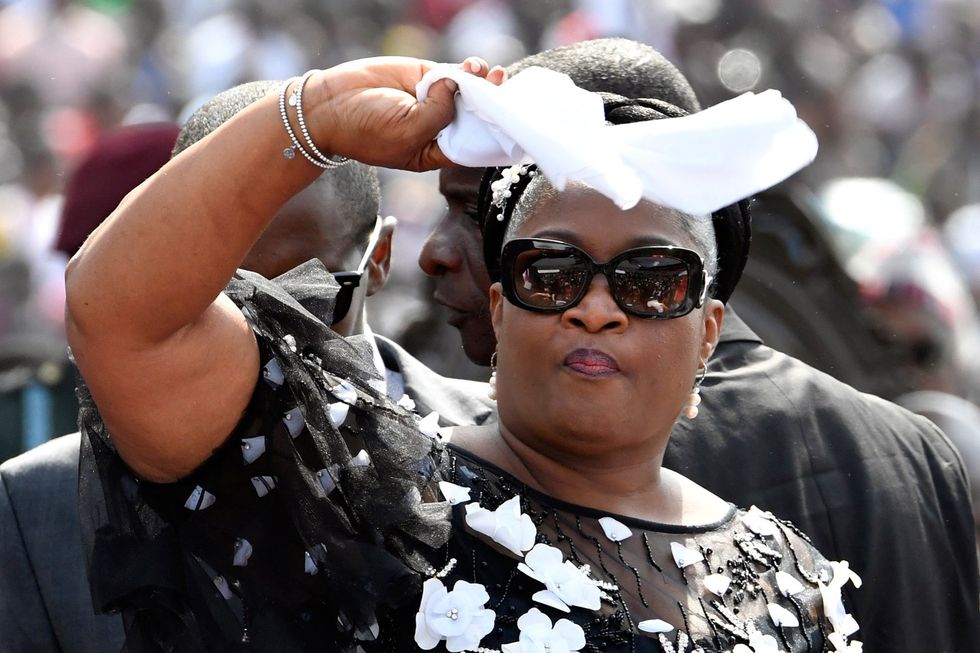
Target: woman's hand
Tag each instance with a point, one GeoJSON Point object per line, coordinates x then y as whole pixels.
{"type": "Point", "coordinates": [367, 110]}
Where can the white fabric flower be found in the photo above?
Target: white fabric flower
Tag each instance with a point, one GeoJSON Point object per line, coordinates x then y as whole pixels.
{"type": "Point", "coordinates": [455, 494]}
{"type": "Point", "coordinates": [758, 643]}
{"type": "Point", "coordinates": [760, 522]}
{"type": "Point", "coordinates": [684, 556]}
{"type": "Point", "coordinates": [429, 425]}
{"type": "Point", "coordinates": [615, 530]}
{"type": "Point", "coordinates": [566, 584]}
{"type": "Point", "coordinates": [654, 626]}
{"type": "Point", "coordinates": [841, 645]}
{"type": "Point", "coordinates": [788, 586]}
{"type": "Point", "coordinates": [506, 525]}
{"type": "Point", "coordinates": [717, 583]}
{"type": "Point", "coordinates": [833, 604]}
{"type": "Point", "coordinates": [457, 617]}
{"type": "Point", "coordinates": [781, 616]}
{"type": "Point", "coordinates": [537, 634]}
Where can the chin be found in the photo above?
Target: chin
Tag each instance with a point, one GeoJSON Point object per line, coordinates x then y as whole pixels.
{"type": "Point", "coordinates": [478, 341]}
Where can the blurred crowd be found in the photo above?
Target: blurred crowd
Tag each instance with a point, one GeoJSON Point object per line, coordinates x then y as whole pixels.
{"type": "Point", "coordinates": [890, 210]}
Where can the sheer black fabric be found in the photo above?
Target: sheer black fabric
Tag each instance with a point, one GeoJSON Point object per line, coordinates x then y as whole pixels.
{"type": "Point", "coordinates": [316, 524]}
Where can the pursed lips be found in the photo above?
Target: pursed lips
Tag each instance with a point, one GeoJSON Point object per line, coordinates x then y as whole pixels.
{"type": "Point", "coordinates": [591, 362]}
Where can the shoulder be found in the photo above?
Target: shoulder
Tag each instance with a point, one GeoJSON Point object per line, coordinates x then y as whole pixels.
{"type": "Point", "coordinates": [41, 486]}
{"type": "Point", "coordinates": [55, 461]}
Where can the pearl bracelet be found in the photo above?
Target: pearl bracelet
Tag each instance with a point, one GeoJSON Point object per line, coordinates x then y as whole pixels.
{"type": "Point", "coordinates": [313, 155]}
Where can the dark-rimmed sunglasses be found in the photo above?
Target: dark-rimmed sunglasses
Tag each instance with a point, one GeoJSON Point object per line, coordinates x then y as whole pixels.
{"type": "Point", "coordinates": [350, 280]}
{"type": "Point", "coordinates": [549, 276]}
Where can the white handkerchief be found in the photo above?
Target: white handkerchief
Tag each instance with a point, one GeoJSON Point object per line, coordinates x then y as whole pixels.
{"type": "Point", "coordinates": [696, 164]}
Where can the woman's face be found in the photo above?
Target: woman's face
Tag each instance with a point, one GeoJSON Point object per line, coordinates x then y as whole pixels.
{"type": "Point", "coordinates": [593, 380]}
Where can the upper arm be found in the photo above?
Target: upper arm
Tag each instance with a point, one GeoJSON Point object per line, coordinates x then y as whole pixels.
{"type": "Point", "coordinates": [168, 405]}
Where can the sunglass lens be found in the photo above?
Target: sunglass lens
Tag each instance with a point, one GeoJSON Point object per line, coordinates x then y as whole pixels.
{"type": "Point", "coordinates": [547, 279]}
{"type": "Point", "coordinates": [650, 285]}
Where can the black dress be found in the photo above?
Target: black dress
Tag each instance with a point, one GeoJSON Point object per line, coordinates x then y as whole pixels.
{"type": "Point", "coordinates": [333, 519]}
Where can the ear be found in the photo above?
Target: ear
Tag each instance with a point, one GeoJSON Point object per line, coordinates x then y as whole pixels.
{"type": "Point", "coordinates": [379, 267]}
{"type": "Point", "coordinates": [496, 307]}
{"type": "Point", "coordinates": [714, 317]}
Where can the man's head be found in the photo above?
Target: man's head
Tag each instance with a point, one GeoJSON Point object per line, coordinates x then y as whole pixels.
{"type": "Point", "coordinates": [453, 253]}
{"type": "Point", "coordinates": [333, 219]}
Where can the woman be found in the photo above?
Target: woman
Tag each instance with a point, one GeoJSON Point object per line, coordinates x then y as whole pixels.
{"type": "Point", "coordinates": [271, 499]}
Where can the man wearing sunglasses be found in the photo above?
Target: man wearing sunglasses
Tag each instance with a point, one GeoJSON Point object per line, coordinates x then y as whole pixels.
{"type": "Point", "coordinates": [45, 602]}
{"type": "Point", "coordinates": [867, 481]}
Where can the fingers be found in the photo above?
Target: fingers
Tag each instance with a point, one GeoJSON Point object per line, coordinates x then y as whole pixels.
{"type": "Point", "coordinates": [497, 75]}
{"type": "Point", "coordinates": [435, 112]}
{"type": "Point", "coordinates": [475, 66]}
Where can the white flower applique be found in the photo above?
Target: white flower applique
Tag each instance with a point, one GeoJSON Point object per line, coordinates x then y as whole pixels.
{"type": "Point", "coordinates": [458, 617]}
{"type": "Point", "coordinates": [758, 643]}
{"type": "Point", "coordinates": [760, 522]}
{"type": "Point", "coordinates": [455, 494]}
{"type": "Point", "coordinates": [566, 585]}
{"type": "Point", "coordinates": [833, 605]}
{"type": "Point", "coordinates": [537, 634]}
{"type": "Point", "coordinates": [507, 525]}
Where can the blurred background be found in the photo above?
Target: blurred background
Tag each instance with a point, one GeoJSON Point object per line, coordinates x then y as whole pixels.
{"type": "Point", "coordinates": [866, 264]}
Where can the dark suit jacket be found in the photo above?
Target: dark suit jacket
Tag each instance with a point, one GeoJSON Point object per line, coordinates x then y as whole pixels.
{"type": "Point", "coordinates": [868, 481]}
{"type": "Point", "coordinates": [45, 604]}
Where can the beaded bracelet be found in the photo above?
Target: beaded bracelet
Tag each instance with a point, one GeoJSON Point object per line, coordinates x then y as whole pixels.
{"type": "Point", "coordinates": [317, 158]}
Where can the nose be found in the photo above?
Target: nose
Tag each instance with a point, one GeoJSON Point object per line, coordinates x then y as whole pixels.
{"type": "Point", "coordinates": [439, 253]}
{"type": "Point", "coordinates": [597, 311]}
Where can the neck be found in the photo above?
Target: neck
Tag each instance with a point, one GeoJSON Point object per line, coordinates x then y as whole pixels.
{"type": "Point", "coordinates": [630, 482]}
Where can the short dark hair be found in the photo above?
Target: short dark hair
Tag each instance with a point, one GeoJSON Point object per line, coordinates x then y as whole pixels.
{"type": "Point", "coordinates": [354, 185]}
{"type": "Point", "coordinates": [619, 66]}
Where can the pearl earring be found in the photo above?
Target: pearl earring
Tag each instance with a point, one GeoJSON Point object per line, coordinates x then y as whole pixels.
{"type": "Point", "coordinates": [694, 399]}
{"type": "Point", "coordinates": [492, 382]}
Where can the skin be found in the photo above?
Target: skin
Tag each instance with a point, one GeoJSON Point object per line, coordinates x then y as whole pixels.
{"type": "Point", "coordinates": [582, 435]}
{"type": "Point", "coordinates": [453, 256]}
{"type": "Point", "coordinates": [170, 360]}
{"type": "Point", "coordinates": [309, 226]}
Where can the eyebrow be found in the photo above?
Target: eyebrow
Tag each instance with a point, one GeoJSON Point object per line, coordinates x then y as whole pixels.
{"type": "Point", "coordinates": [571, 238]}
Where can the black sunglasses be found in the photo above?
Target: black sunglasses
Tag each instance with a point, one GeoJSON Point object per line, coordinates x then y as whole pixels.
{"type": "Point", "coordinates": [350, 280]}
{"type": "Point", "coordinates": [549, 276]}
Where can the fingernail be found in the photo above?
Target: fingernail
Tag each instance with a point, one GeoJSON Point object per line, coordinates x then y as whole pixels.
{"type": "Point", "coordinates": [452, 85]}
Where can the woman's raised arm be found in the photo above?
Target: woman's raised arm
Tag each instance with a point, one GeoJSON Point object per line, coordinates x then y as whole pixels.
{"type": "Point", "coordinates": [169, 360]}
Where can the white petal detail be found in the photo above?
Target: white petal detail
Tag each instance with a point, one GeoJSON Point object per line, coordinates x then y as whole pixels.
{"type": "Point", "coordinates": [760, 522]}
{"type": "Point", "coordinates": [782, 617]}
{"type": "Point", "coordinates": [654, 626]}
{"type": "Point", "coordinates": [294, 421]}
{"type": "Point", "coordinates": [200, 499]}
{"type": "Point", "coordinates": [429, 425]}
{"type": "Point", "coordinates": [338, 413]}
{"type": "Point", "coordinates": [344, 392]}
{"type": "Point", "coordinates": [788, 586]}
{"type": "Point", "coordinates": [362, 459]}
{"type": "Point", "coordinates": [243, 551]}
{"type": "Point", "coordinates": [263, 484]}
{"type": "Point", "coordinates": [252, 448]}
{"type": "Point", "coordinates": [549, 598]}
{"type": "Point", "coordinates": [326, 479]}
{"type": "Point", "coordinates": [717, 583]}
{"type": "Point", "coordinates": [616, 531]}
{"type": "Point", "coordinates": [455, 494]}
{"type": "Point", "coordinates": [309, 565]}
{"type": "Point", "coordinates": [684, 556]}
{"type": "Point", "coordinates": [222, 585]}
{"type": "Point", "coordinates": [272, 373]}
{"type": "Point", "coordinates": [406, 402]}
